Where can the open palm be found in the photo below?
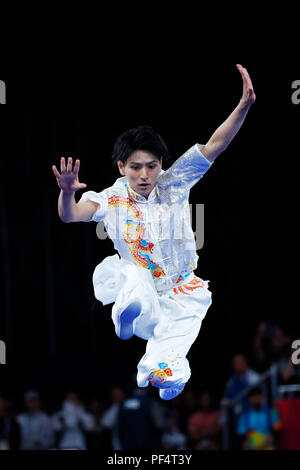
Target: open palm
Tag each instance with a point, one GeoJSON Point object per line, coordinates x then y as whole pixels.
{"type": "Point", "coordinates": [68, 180]}
{"type": "Point", "coordinates": [248, 92]}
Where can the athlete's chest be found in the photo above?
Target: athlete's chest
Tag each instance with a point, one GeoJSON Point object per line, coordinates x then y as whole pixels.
{"type": "Point", "coordinates": [154, 220]}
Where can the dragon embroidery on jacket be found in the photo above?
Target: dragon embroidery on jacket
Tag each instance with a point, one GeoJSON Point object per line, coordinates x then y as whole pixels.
{"type": "Point", "coordinates": [134, 230]}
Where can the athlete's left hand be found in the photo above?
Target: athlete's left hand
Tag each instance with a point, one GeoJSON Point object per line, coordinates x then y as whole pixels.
{"type": "Point", "coordinates": [249, 96]}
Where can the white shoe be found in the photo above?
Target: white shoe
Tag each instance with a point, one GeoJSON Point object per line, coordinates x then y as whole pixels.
{"type": "Point", "coordinates": [170, 392]}
{"type": "Point", "coordinates": [127, 319]}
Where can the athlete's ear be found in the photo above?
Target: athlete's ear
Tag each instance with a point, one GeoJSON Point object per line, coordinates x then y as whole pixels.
{"type": "Point", "coordinates": [121, 167]}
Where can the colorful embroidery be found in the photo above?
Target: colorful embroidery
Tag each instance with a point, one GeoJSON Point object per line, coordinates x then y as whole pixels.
{"type": "Point", "coordinates": [159, 376]}
{"type": "Point", "coordinates": [131, 193]}
{"type": "Point", "coordinates": [134, 232]}
{"type": "Point", "coordinates": [134, 195]}
{"type": "Point", "coordinates": [195, 283]}
{"type": "Point", "coordinates": [182, 277]}
{"type": "Point", "coordinates": [162, 365]}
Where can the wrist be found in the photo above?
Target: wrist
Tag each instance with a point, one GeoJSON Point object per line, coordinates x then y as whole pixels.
{"type": "Point", "coordinates": [244, 105]}
{"type": "Point", "coordinates": [69, 193]}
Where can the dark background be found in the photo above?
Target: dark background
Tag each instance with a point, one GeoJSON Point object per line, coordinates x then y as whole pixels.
{"type": "Point", "coordinates": [55, 338]}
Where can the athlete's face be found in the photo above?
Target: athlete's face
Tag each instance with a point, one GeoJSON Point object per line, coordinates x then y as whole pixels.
{"type": "Point", "coordinates": [141, 170]}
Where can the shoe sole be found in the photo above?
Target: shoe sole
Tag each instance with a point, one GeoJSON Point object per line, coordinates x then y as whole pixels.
{"type": "Point", "coordinates": [127, 317]}
{"type": "Point", "coordinates": [170, 393]}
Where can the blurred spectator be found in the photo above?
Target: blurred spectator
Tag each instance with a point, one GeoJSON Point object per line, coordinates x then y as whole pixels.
{"type": "Point", "coordinates": [96, 438]}
{"type": "Point", "coordinates": [109, 418]}
{"type": "Point", "coordinates": [185, 404]}
{"type": "Point", "coordinates": [280, 345]}
{"type": "Point", "coordinates": [259, 425]}
{"type": "Point", "coordinates": [270, 345]}
{"type": "Point", "coordinates": [141, 421]}
{"type": "Point", "coordinates": [36, 430]}
{"type": "Point", "coordinates": [289, 373]}
{"type": "Point", "coordinates": [71, 423]}
{"type": "Point", "coordinates": [173, 438]}
{"type": "Point", "coordinates": [204, 425]}
{"type": "Point", "coordinates": [242, 378]}
{"type": "Point", "coordinates": [9, 428]}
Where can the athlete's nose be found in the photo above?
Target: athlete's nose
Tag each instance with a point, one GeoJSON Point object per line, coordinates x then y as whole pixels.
{"type": "Point", "coordinates": [144, 173]}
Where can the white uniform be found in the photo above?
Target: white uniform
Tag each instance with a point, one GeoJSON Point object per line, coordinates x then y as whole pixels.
{"type": "Point", "coordinates": [158, 255]}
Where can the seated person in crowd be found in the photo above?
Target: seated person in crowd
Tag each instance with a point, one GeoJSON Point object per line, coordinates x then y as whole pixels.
{"type": "Point", "coordinates": [259, 426]}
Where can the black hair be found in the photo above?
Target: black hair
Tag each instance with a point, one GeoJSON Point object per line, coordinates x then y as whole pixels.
{"type": "Point", "coordinates": [255, 391]}
{"type": "Point", "coordinates": [139, 138]}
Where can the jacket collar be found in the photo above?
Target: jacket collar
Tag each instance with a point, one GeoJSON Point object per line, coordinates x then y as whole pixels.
{"type": "Point", "coordinates": [138, 197]}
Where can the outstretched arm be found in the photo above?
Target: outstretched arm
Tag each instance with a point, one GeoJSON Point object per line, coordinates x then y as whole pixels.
{"type": "Point", "coordinates": [222, 137]}
{"type": "Point", "coordinates": [68, 209]}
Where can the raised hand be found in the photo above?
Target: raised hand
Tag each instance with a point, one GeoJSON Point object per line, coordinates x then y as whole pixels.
{"type": "Point", "coordinates": [249, 96]}
{"type": "Point", "coordinates": [68, 179]}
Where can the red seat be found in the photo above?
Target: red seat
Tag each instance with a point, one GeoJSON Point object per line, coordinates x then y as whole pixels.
{"type": "Point", "coordinates": [289, 409]}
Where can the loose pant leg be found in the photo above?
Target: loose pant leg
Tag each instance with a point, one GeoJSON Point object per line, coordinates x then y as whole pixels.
{"type": "Point", "coordinates": [136, 284]}
{"type": "Point", "coordinates": [165, 364]}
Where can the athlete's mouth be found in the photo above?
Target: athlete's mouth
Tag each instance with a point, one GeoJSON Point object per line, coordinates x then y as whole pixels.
{"type": "Point", "coordinates": [144, 185]}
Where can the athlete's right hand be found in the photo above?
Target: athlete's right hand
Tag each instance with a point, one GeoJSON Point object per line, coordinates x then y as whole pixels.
{"type": "Point", "coordinates": [68, 179]}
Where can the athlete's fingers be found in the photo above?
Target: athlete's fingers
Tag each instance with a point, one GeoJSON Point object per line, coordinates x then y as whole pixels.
{"type": "Point", "coordinates": [62, 165]}
{"type": "Point", "coordinates": [55, 171]}
{"type": "Point", "coordinates": [76, 167]}
{"type": "Point", "coordinates": [69, 166]}
{"type": "Point", "coordinates": [247, 78]}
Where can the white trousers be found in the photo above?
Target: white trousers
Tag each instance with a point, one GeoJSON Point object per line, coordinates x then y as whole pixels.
{"type": "Point", "coordinates": [170, 321]}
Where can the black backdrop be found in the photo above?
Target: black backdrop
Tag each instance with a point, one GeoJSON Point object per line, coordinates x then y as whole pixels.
{"type": "Point", "coordinates": [55, 340]}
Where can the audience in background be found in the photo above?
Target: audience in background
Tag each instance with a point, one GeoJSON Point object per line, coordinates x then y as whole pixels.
{"type": "Point", "coordinates": [259, 425]}
{"type": "Point", "coordinates": [141, 420]}
{"type": "Point", "coordinates": [96, 438]}
{"type": "Point", "coordinates": [137, 421]}
{"type": "Point", "coordinates": [9, 428]}
{"type": "Point", "coordinates": [270, 345]}
{"type": "Point", "coordinates": [241, 378]}
{"type": "Point", "coordinates": [109, 419]}
{"type": "Point", "coordinates": [185, 404]}
{"type": "Point", "coordinates": [35, 425]}
{"type": "Point", "coordinates": [172, 437]}
{"type": "Point", "coordinates": [204, 425]}
{"type": "Point", "coordinates": [72, 423]}
{"type": "Point", "coordinates": [289, 373]}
